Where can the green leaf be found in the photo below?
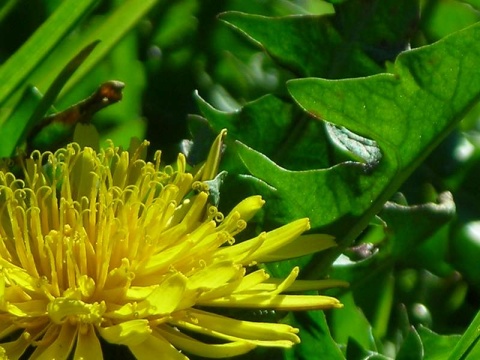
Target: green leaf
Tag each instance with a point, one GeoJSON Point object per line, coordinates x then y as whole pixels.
{"type": "Point", "coordinates": [113, 27]}
{"type": "Point", "coordinates": [121, 21]}
{"type": "Point", "coordinates": [16, 69]}
{"type": "Point", "coordinates": [300, 190]}
{"type": "Point", "coordinates": [436, 347]}
{"type": "Point", "coordinates": [317, 342]}
{"type": "Point", "coordinates": [372, 273]}
{"type": "Point", "coordinates": [464, 251]}
{"type": "Point", "coordinates": [409, 226]}
{"type": "Point", "coordinates": [406, 113]}
{"type": "Point", "coordinates": [382, 28]}
{"type": "Point", "coordinates": [441, 18]}
{"type": "Point", "coordinates": [355, 42]}
{"type": "Point", "coordinates": [267, 124]}
{"type": "Point", "coordinates": [305, 45]}
{"type": "Point", "coordinates": [13, 132]}
{"type": "Point", "coordinates": [412, 347]}
{"type": "Point", "coordinates": [7, 8]}
{"type": "Point", "coordinates": [365, 150]}
{"type": "Point", "coordinates": [110, 30]}
{"type": "Point", "coordinates": [435, 253]}
{"type": "Point", "coordinates": [474, 3]}
{"type": "Point", "coordinates": [356, 352]}
{"type": "Point", "coordinates": [350, 323]}
{"type": "Point", "coordinates": [468, 347]}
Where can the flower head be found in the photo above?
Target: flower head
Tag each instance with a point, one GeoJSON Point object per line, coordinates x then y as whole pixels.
{"type": "Point", "coordinates": [106, 245]}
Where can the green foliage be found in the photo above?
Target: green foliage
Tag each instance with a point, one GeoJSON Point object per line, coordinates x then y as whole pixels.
{"type": "Point", "coordinates": [332, 109]}
{"type": "Point", "coordinates": [19, 66]}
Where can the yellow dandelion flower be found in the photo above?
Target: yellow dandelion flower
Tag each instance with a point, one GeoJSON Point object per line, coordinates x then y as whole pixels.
{"type": "Point", "coordinates": [106, 245]}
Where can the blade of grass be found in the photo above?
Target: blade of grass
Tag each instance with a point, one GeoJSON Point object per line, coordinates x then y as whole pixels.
{"type": "Point", "coordinates": [6, 8]}
{"type": "Point", "coordinates": [468, 345]}
{"type": "Point", "coordinates": [110, 31]}
{"type": "Point", "coordinates": [14, 133]}
{"type": "Point", "coordinates": [16, 69]}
